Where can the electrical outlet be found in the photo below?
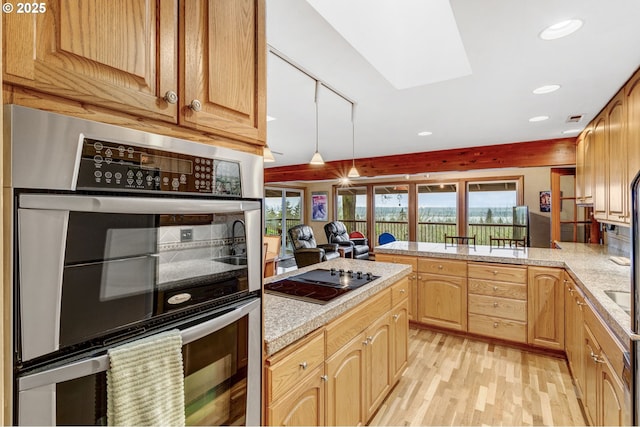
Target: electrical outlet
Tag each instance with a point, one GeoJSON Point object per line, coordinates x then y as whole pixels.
{"type": "Point", "coordinates": [186, 234]}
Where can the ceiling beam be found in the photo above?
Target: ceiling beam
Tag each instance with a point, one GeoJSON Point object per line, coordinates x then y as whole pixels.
{"type": "Point", "coordinates": [551, 152]}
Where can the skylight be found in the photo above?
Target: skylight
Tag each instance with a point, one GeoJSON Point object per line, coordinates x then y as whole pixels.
{"type": "Point", "coordinates": [411, 43]}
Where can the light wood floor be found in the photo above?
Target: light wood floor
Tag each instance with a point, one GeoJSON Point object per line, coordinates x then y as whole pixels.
{"type": "Point", "coordinates": [452, 380]}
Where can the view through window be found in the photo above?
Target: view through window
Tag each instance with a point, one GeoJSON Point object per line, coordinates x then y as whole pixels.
{"type": "Point", "coordinates": [283, 210]}
{"type": "Point", "coordinates": [437, 212]}
{"type": "Point", "coordinates": [490, 209]}
{"type": "Point", "coordinates": [351, 206]}
{"type": "Point", "coordinates": [391, 213]}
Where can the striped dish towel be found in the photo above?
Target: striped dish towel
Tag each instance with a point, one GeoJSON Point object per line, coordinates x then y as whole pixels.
{"type": "Point", "coordinates": [145, 382]}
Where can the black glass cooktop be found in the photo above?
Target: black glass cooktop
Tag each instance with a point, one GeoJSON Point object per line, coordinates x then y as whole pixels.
{"type": "Point", "coordinates": [320, 286]}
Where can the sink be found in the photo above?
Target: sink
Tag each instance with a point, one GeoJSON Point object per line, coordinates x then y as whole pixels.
{"type": "Point", "coordinates": [233, 260]}
{"type": "Point", "coordinates": [622, 298]}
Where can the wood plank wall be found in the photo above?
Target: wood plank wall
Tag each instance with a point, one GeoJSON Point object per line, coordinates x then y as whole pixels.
{"type": "Point", "coordinates": [553, 152]}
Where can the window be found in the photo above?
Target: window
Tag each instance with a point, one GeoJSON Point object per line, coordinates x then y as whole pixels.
{"type": "Point", "coordinates": [351, 207]}
{"type": "Point", "coordinates": [490, 209]}
{"type": "Point", "coordinates": [391, 211]}
{"type": "Point", "coordinates": [437, 212]}
{"type": "Point", "coordinates": [283, 208]}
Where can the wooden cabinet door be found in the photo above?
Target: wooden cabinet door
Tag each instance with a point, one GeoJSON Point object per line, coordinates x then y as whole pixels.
{"type": "Point", "coordinates": [442, 301]}
{"type": "Point", "coordinates": [574, 332]}
{"type": "Point", "coordinates": [580, 168]}
{"type": "Point", "coordinates": [412, 313]}
{"type": "Point", "coordinates": [118, 54]}
{"type": "Point", "coordinates": [615, 128]}
{"type": "Point", "coordinates": [303, 406]}
{"type": "Point", "coordinates": [590, 390]}
{"type": "Point", "coordinates": [345, 384]}
{"type": "Point", "coordinates": [589, 166]}
{"type": "Point", "coordinates": [223, 84]}
{"type": "Point", "coordinates": [377, 370]}
{"type": "Point", "coordinates": [632, 94]}
{"type": "Point", "coordinates": [601, 165]}
{"type": "Point", "coordinates": [610, 396]}
{"type": "Point", "coordinates": [399, 340]}
{"type": "Point", "coordinates": [546, 307]}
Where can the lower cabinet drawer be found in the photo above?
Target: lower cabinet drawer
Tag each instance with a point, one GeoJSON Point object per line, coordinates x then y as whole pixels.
{"type": "Point", "coordinates": [510, 330]}
{"type": "Point", "coordinates": [498, 307]}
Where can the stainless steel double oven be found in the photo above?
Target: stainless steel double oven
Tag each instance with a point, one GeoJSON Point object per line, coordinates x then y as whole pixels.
{"type": "Point", "coordinates": [120, 234]}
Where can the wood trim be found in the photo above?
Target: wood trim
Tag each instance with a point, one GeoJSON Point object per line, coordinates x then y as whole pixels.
{"type": "Point", "coordinates": [553, 152]}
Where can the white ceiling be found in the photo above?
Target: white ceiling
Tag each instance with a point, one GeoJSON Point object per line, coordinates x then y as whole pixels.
{"type": "Point", "coordinates": [491, 105]}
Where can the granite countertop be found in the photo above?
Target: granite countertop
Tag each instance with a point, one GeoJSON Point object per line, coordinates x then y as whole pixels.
{"type": "Point", "coordinates": [589, 265]}
{"type": "Point", "coordinates": [286, 320]}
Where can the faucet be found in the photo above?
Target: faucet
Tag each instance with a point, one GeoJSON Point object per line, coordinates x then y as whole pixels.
{"type": "Point", "coordinates": [234, 246]}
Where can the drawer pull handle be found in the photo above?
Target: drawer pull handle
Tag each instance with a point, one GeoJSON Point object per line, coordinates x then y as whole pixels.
{"type": "Point", "coordinates": [495, 272]}
{"type": "Point", "coordinates": [303, 365]}
{"type": "Point", "coordinates": [440, 267]}
{"type": "Point", "coordinates": [495, 288]}
{"type": "Point", "coordinates": [324, 378]}
{"type": "Point", "coordinates": [402, 291]}
{"type": "Point", "coordinates": [396, 317]}
{"type": "Point", "coordinates": [495, 324]}
{"type": "Point", "coordinates": [571, 291]}
{"type": "Point", "coordinates": [495, 305]}
{"type": "Point", "coordinates": [580, 304]}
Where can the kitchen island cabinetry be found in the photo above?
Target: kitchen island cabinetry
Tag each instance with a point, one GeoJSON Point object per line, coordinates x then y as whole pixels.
{"type": "Point", "coordinates": [197, 64]}
{"type": "Point", "coordinates": [442, 293]}
{"type": "Point", "coordinates": [498, 301]}
{"type": "Point", "coordinates": [546, 307]}
{"type": "Point", "coordinates": [342, 370]}
{"type": "Point", "coordinates": [413, 279]}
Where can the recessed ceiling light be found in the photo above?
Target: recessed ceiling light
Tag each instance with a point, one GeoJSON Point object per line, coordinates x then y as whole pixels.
{"type": "Point", "coordinates": [570, 131]}
{"type": "Point", "coordinates": [270, 119]}
{"type": "Point", "coordinates": [538, 118]}
{"type": "Point", "coordinates": [546, 89]}
{"type": "Point", "coordinates": [561, 29]}
{"type": "Point", "coordinates": [425, 133]}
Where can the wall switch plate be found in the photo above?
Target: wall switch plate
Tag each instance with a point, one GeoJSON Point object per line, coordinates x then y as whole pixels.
{"type": "Point", "coordinates": [186, 234]}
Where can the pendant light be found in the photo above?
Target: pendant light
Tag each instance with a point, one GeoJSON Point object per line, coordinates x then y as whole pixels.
{"type": "Point", "coordinates": [317, 158]}
{"type": "Point", "coordinates": [267, 155]}
{"type": "Point", "coordinates": [353, 172]}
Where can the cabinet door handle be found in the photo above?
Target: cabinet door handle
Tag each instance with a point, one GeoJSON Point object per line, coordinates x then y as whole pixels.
{"type": "Point", "coordinates": [171, 97]}
{"type": "Point", "coordinates": [396, 317]}
{"type": "Point", "coordinates": [365, 342]}
{"type": "Point", "coordinates": [195, 105]}
{"type": "Point", "coordinates": [495, 324]}
{"type": "Point", "coordinates": [402, 291]}
{"type": "Point", "coordinates": [324, 378]}
{"type": "Point", "coordinates": [303, 365]}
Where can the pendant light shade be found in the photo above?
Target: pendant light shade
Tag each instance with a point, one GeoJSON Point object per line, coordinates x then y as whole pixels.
{"type": "Point", "coordinates": [317, 158]}
{"type": "Point", "coordinates": [267, 155]}
{"type": "Point", "coordinates": [353, 172]}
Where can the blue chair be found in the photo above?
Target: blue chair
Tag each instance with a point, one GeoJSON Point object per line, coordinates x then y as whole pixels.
{"type": "Point", "coordinates": [386, 238]}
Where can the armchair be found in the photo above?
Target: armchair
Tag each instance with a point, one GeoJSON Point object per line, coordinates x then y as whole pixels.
{"type": "Point", "coordinates": [337, 233]}
{"type": "Point", "coordinates": [305, 248]}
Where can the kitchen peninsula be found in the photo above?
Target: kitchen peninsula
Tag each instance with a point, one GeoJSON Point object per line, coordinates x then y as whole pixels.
{"type": "Point", "coordinates": [559, 300]}
{"type": "Point", "coordinates": [337, 360]}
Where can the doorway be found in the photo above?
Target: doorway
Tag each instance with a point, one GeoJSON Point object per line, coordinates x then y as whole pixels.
{"type": "Point", "coordinates": [569, 221]}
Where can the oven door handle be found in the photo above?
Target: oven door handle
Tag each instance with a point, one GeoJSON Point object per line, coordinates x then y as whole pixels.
{"type": "Point", "coordinates": [136, 205]}
{"type": "Point", "coordinates": [98, 364]}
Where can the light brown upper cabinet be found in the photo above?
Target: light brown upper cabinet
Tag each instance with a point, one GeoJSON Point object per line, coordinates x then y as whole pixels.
{"type": "Point", "coordinates": [616, 156]}
{"type": "Point", "coordinates": [632, 98]}
{"type": "Point", "coordinates": [119, 54]}
{"type": "Point", "coordinates": [601, 166]}
{"type": "Point", "coordinates": [200, 64]}
{"type": "Point", "coordinates": [223, 85]}
{"type": "Point", "coordinates": [585, 161]}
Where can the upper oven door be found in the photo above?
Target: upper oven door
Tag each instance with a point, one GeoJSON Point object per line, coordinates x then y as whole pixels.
{"type": "Point", "coordinates": [94, 266]}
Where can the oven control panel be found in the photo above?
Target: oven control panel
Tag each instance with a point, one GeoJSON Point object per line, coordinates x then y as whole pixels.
{"type": "Point", "coordinates": [120, 167]}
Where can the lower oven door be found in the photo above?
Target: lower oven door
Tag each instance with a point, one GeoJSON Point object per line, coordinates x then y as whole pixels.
{"type": "Point", "coordinates": [222, 368]}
